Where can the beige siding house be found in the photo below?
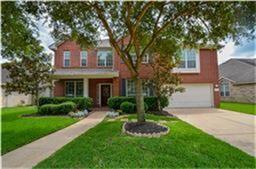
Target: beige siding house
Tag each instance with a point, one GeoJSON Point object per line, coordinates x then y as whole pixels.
{"type": "Point", "coordinates": [238, 80]}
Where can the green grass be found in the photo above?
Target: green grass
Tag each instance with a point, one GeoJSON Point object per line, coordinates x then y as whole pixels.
{"type": "Point", "coordinates": [239, 107]}
{"type": "Point", "coordinates": [18, 131]}
{"type": "Point", "coordinates": [105, 146]}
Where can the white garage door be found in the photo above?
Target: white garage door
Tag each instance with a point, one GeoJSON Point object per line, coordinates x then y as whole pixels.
{"type": "Point", "coordinates": [195, 95]}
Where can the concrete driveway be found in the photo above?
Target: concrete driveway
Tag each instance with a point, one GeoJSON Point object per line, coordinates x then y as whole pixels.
{"type": "Point", "coordinates": [237, 129]}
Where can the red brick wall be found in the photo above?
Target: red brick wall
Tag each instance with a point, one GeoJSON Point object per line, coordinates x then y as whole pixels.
{"type": "Point", "coordinates": [75, 50]}
{"type": "Point", "coordinates": [59, 88]}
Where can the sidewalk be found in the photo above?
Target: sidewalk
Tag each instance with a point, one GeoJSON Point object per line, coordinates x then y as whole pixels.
{"type": "Point", "coordinates": [31, 154]}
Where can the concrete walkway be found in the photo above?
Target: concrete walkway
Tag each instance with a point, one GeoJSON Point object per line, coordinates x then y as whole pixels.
{"type": "Point", "coordinates": [237, 129]}
{"type": "Point", "coordinates": [31, 154]}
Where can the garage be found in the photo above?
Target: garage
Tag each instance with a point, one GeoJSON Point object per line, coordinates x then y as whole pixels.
{"type": "Point", "coordinates": [195, 95]}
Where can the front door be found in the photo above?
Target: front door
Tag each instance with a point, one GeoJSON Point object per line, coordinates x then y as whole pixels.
{"type": "Point", "coordinates": [105, 94]}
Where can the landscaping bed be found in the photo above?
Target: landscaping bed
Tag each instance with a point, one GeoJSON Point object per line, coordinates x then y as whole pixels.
{"type": "Point", "coordinates": [145, 129]}
{"type": "Point", "coordinates": [106, 146]}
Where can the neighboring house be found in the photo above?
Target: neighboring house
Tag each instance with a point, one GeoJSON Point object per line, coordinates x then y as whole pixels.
{"type": "Point", "coordinates": [100, 73]}
{"type": "Point", "coordinates": [15, 98]}
{"type": "Point", "coordinates": [238, 80]}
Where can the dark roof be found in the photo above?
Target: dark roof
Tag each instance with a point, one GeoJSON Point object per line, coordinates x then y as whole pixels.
{"type": "Point", "coordinates": [248, 61]}
{"type": "Point", "coordinates": [240, 71]}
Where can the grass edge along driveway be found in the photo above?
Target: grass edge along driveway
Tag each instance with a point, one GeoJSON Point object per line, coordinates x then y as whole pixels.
{"type": "Point", "coordinates": [18, 131]}
{"type": "Point", "coordinates": [105, 146]}
{"type": "Point", "coordinates": [248, 108]}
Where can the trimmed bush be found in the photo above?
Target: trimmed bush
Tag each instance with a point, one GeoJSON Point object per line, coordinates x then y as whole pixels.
{"type": "Point", "coordinates": [127, 107]}
{"type": "Point", "coordinates": [81, 102]}
{"type": "Point", "coordinates": [115, 102]}
{"type": "Point", "coordinates": [151, 101]}
{"type": "Point", "coordinates": [57, 109]}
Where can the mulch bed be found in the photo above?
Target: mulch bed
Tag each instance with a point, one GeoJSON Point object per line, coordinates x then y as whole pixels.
{"type": "Point", "coordinates": [144, 128]}
{"type": "Point", "coordinates": [162, 113]}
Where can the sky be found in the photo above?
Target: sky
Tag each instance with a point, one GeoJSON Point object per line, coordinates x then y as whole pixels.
{"type": "Point", "coordinates": [246, 49]}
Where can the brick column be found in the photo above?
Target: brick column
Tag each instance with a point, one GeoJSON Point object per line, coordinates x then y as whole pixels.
{"type": "Point", "coordinates": [116, 87]}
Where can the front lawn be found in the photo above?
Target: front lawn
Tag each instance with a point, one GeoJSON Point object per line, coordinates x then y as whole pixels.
{"type": "Point", "coordinates": [184, 147]}
{"type": "Point", "coordinates": [17, 130]}
{"type": "Point", "coordinates": [239, 107]}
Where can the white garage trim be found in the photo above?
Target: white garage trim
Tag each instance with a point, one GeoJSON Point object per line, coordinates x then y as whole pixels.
{"type": "Point", "coordinates": [195, 95]}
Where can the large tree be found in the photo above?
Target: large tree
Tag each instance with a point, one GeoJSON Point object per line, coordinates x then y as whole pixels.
{"type": "Point", "coordinates": [28, 65]}
{"type": "Point", "coordinates": [187, 23]}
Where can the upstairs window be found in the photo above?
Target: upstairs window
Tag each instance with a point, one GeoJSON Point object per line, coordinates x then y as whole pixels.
{"type": "Point", "coordinates": [83, 58]}
{"type": "Point", "coordinates": [105, 58]}
{"type": "Point", "coordinates": [131, 90]}
{"type": "Point", "coordinates": [188, 59]}
{"type": "Point", "coordinates": [145, 58]}
{"type": "Point", "coordinates": [66, 56]}
{"type": "Point", "coordinates": [224, 89]}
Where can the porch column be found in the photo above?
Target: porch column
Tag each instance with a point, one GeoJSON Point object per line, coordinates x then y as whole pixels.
{"type": "Point", "coordinates": [86, 87]}
{"type": "Point", "coordinates": [116, 86]}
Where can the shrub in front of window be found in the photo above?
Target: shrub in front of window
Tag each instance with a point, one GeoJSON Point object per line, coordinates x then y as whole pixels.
{"type": "Point", "coordinates": [128, 107]}
{"type": "Point", "coordinates": [151, 101]}
{"type": "Point", "coordinates": [82, 102]}
{"type": "Point", "coordinates": [57, 109]}
{"type": "Point", "coordinates": [115, 102]}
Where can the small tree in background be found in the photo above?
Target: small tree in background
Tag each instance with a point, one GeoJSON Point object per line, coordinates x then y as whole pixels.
{"type": "Point", "coordinates": [163, 61]}
{"type": "Point", "coordinates": [29, 75]}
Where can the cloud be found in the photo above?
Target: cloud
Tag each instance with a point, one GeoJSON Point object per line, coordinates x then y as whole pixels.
{"type": "Point", "coordinates": [246, 49]}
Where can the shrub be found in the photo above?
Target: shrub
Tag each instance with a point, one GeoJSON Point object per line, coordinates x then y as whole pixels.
{"type": "Point", "coordinates": [151, 101]}
{"type": "Point", "coordinates": [81, 102]}
{"type": "Point", "coordinates": [127, 107]}
{"type": "Point", "coordinates": [115, 102]}
{"type": "Point", "coordinates": [56, 109]}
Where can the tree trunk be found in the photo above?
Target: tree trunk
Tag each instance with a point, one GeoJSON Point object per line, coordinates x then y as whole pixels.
{"type": "Point", "coordinates": [159, 104]}
{"type": "Point", "coordinates": [139, 100]}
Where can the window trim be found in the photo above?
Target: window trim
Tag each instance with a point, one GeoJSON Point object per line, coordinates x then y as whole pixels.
{"type": "Point", "coordinates": [224, 92]}
{"type": "Point", "coordinates": [66, 59]}
{"type": "Point", "coordinates": [105, 65]}
{"type": "Point", "coordinates": [75, 82]}
{"type": "Point", "coordinates": [147, 56]}
{"type": "Point", "coordinates": [190, 70]}
{"type": "Point", "coordinates": [82, 58]}
{"type": "Point", "coordinates": [126, 89]}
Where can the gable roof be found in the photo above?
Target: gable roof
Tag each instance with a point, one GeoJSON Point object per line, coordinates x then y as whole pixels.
{"type": "Point", "coordinates": [240, 71]}
{"type": "Point", "coordinates": [104, 43]}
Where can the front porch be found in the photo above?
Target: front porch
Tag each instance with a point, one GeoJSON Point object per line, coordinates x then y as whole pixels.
{"type": "Point", "coordinates": [99, 85]}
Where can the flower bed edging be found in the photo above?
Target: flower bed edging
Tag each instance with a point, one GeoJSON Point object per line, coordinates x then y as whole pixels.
{"type": "Point", "coordinates": [157, 135]}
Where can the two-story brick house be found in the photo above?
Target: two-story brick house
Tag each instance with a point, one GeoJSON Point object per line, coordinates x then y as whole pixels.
{"type": "Point", "coordinates": [100, 73]}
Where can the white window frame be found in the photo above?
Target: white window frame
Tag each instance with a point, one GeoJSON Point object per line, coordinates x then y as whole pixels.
{"type": "Point", "coordinates": [222, 86]}
{"type": "Point", "coordinates": [190, 70]}
{"type": "Point", "coordinates": [75, 86]}
{"type": "Point", "coordinates": [81, 58]}
{"type": "Point", "coordinates": [64, 58]}
{"type": "Point", "coordinates": [126, 91]}
{"type": "Point", "coordinates": [134, 58]}
{"type": "Point", "coordinates": [147, 59]}
{"type": "Point", "coordinates": [105, 62]}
